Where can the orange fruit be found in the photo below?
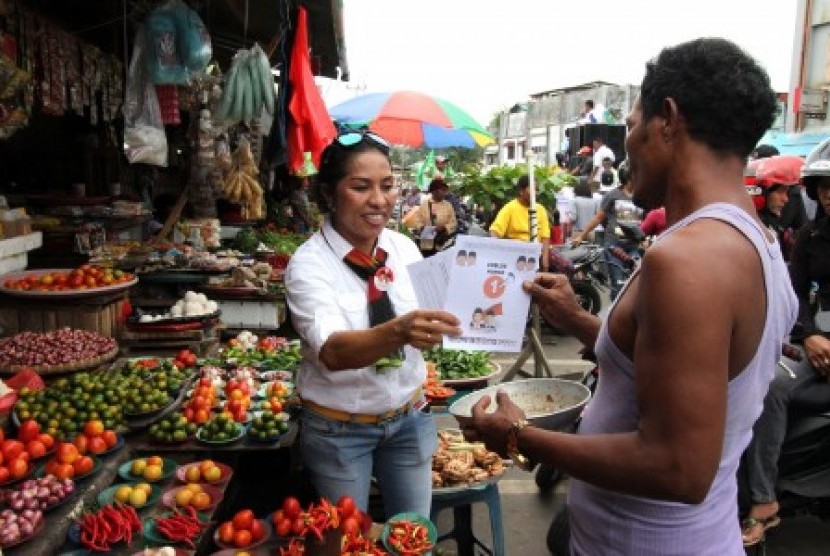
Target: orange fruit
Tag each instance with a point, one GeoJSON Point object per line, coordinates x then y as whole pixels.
{"type": "Point", "coordinates": [184, 497]}
{"type": "Point", "coordinates": [193, 475]}
{"type": "Point", "coordinates": [155, 460]}
{"type": "Point", "coordinates": [200, 501]}
{"type": "Point", "coordinates": [94, 428]}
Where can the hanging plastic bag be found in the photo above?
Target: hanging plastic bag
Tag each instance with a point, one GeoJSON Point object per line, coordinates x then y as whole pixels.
{"type": "Point", "coordinates": [192, 37]}
{"type": "Point", "coordinates": [144, 137]}
{"type": "Point", "coordinates": [164, 58]}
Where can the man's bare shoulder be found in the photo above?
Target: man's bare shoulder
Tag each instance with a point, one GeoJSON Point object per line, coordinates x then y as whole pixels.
{"type": "Point", "coordinates": [707, 252]}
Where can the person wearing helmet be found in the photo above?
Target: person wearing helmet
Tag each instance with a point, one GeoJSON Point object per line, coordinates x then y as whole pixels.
{"type": "Point", "coordinates": [775, 176]}
{"type": "Point", "coordinates": [810, 389]}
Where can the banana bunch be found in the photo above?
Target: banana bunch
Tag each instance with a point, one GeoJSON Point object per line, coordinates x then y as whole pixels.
{"type": "Point", "coordinates": [249, 87]}
{"type": "Point", "coordinates": [241, 184]}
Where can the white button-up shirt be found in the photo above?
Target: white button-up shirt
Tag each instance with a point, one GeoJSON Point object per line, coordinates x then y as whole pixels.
{"type": "Point", "coordinates": [325, 296]}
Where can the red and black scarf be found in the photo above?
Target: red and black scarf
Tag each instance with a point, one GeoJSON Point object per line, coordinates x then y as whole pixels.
{"type": "Point", "coordinates": [367, 268]}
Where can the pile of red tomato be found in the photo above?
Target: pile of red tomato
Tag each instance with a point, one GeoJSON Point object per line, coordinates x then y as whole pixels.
{"type": "Point", "coordinates": [81, 278]}
{"type": "Point", "coordinates": [16, 455]}
{"type": "Point", "coordinates": [241, 531]}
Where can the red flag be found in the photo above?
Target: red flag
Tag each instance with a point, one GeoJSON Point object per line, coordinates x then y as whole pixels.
{"type": "Point", "coordinates": [310, 127]}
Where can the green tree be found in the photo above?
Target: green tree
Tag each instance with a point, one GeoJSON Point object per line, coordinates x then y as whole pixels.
{"type": "Point", "coordinates": [492, 189]}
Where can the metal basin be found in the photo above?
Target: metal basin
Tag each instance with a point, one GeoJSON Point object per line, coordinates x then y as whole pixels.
{"type": "Point", "coordinates": [548, 403]}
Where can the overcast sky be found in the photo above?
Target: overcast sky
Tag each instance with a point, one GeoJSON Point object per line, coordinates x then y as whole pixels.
{"type": "Point", "coordinates": [484, 55]}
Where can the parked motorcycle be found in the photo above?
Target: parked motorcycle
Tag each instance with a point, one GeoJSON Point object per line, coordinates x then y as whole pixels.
{"type": "Point", "coordinates": [586, 268]}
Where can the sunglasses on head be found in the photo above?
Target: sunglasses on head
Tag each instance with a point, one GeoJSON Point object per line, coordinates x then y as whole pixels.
{"type": "Point", "coordinates": [352, 138]}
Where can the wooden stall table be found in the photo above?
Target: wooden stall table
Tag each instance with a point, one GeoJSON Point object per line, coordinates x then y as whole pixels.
{"type": "Point", "coordinates": [99, 309]}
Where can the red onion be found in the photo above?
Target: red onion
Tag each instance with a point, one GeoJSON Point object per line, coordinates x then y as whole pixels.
{"type": "Point", "coordinates": [26, 528]}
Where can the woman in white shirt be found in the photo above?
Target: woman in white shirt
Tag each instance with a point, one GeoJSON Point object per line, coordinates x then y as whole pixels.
{"type": "Point", "coordinates": [354, 307]}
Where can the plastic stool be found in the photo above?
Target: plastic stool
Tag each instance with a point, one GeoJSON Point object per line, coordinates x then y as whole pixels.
{"type": "Point", "coordinates": [462, 531]}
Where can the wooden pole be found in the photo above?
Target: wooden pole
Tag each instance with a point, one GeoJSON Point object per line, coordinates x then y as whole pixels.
{"type": "Point", "coordinates": [173, 217]}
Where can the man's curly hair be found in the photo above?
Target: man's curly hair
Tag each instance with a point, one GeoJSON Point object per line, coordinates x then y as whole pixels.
{"type": "Point", "coordinates": [723, 94]}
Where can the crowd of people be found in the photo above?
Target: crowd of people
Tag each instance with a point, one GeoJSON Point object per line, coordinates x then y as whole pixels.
{"type": "Point", "coordinates": [686, 354]}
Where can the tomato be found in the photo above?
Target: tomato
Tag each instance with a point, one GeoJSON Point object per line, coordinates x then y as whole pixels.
{"type": "Point", "coordinates": [257, 530]}
{"type": "Point", "coordinates": [297, 526]}
{"type": "Point", "coordinates": [83, 465]}
{"type": "Point", "coordinates": [188, 414]}
{"type": "Point", "coordinates": [94, 428]}
{"type": "Point", "coordinates": [291, 507]}
{"type": "Point", "coordinates": [18, 468]}
{"type": "Point", "coordinates": [243, 519]}
{"type": "Point", "coordinates": [47, 440]}
{"type": "Point", "coordinates": [205, 381]}
{"type": "Point", "coordinates": [64, 471]}
{"type": "Point", "coordinates": [11, 449]}
{"type": "Point", "coordinates": [283, 527]}
{"type": "Point", "coordinates": [241, 539]}
{"type": "Point", "coordinates": [66, 452]}
{"type": "Point", "coordinates": [97, 445]}
{"type": "Point", "coordinates": [226, 532]}
{"type": "Point", "coordinates": [81, 442]}
{"type": "Point", "coordinates": [35, 449]}
{"type": "Point", "coordinates": [192, 360]}
{"type": "Point", "coordinates": [346, 506]}
{"type": "Point", "coordinates": [29, 430]}
{"type": "Point", "coordinates": [4, 474]}
{"type": "Point", "coordinates": [350, 526]}
{"type": "Point", "coordinates": [110, 438]}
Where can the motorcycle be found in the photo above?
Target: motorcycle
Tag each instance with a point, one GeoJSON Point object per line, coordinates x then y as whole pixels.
{"type": "Point", "coordinates": [587, 270]}
{"type": "Point", "coordinates": [803, 485]}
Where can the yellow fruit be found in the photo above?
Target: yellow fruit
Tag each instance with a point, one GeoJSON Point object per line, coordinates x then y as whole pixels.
{"type": "Point", "coordinates": [155, 460]}
{"type": "Point", "coordinates": [193, 475]}
{"type": "Point", "coordinates": [183, 496]}
{"type": "Point", "coordinates": [145, 487]}
{"type": "Point", "coordinates": [123, 494]}
{"type": "Point", "coordinates": [138, 467]}
{"type": "Point", "coordinates": [200, 501]}
{"type": "Point", "coordinates": [153, 472]}
{"type": "Point", "coordinates": [206, 464]}
{"type": "Point", "coordinates": [213, 474]}
{"type": "Point", "coordinates": [194, 487]}
{"type": "Point", "coordinates": [138, 498]}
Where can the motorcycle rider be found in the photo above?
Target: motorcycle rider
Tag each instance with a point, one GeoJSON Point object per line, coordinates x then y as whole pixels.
{"type": "Point", "coordinates": [809, 389]}
{"type": "Point", "coordinates": [616, 209]}
{"type": "Point", "coordinates": [775, 176]}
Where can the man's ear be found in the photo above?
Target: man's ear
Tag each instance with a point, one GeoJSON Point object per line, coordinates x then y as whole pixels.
{"type": "Point", "coordinates": [672, 119]}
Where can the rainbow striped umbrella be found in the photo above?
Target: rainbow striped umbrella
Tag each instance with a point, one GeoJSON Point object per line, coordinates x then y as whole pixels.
{"type": "Point", "coordinates": [412, 119]}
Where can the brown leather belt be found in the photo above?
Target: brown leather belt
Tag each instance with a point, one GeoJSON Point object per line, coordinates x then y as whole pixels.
{"type": "Point", "coordinates": [365, 419]}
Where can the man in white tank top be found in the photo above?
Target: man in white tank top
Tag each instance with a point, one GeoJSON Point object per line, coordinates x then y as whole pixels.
{"type": "Point", "coordinates": [688, 349]}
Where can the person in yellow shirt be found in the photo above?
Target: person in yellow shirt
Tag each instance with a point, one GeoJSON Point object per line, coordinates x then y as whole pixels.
{"type": "Point", "coordinates": [513, 221]}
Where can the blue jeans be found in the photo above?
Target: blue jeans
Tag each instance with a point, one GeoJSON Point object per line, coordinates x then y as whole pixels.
{"type": "Point", "coordinates": [616, 273]}
{"type": "Point", "coordinates": [342, 457]}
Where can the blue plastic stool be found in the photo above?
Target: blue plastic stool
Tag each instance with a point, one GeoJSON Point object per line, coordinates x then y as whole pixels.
{"type": "Point", "coordinates": [462, 531]}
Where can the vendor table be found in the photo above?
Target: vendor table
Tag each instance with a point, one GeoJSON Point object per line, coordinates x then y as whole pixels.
{"type": "Point", "coordinates": [259, 467]}
{"type": "Point", "coordinates": [99, 313]}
